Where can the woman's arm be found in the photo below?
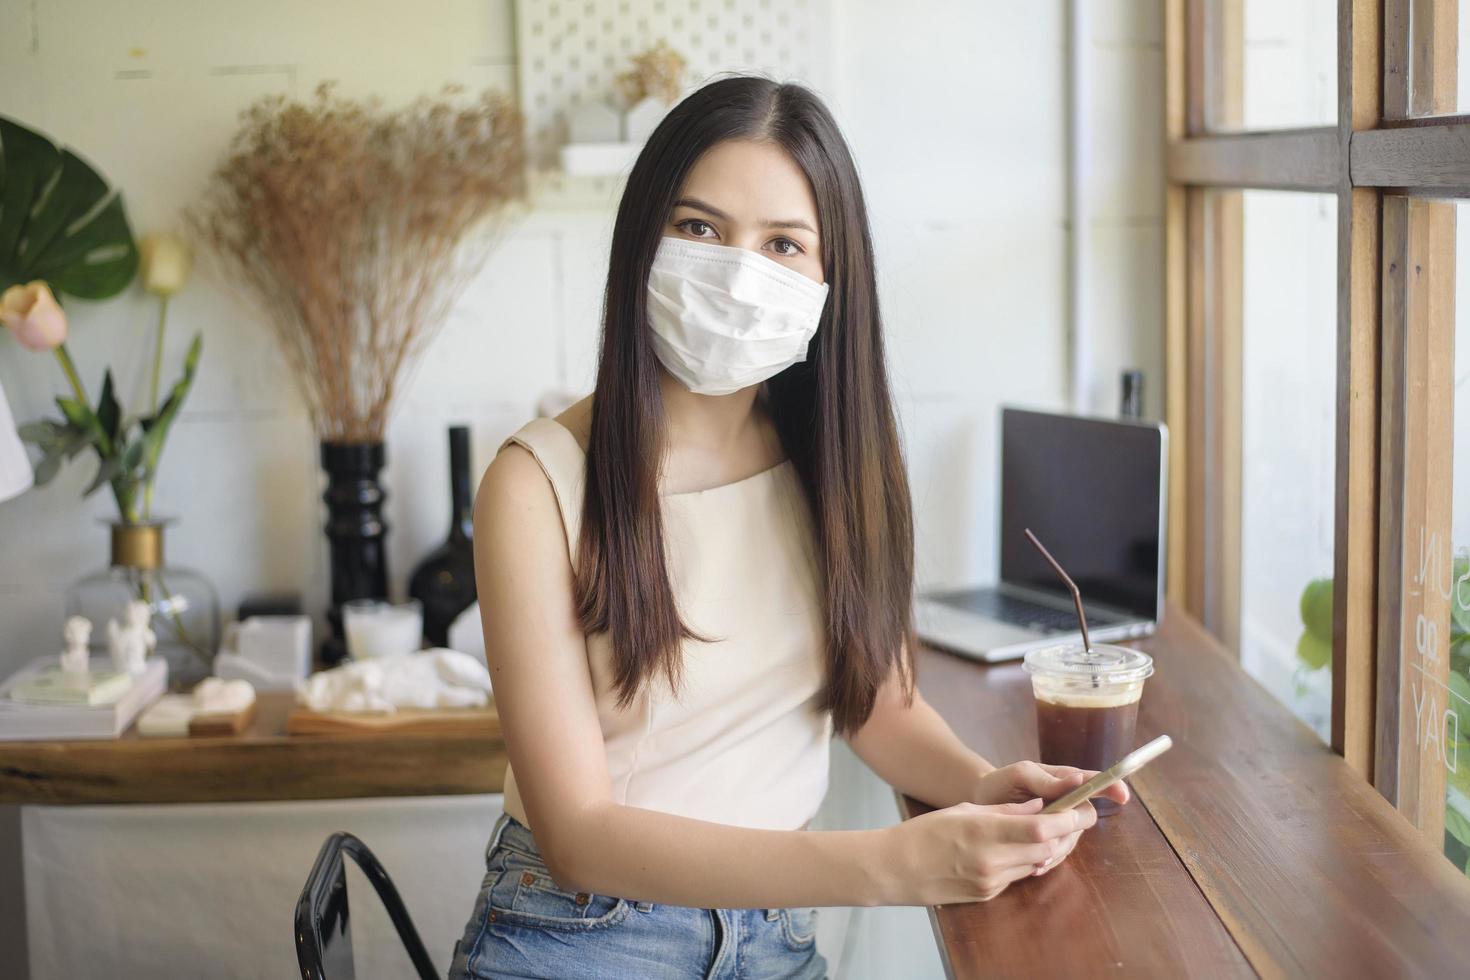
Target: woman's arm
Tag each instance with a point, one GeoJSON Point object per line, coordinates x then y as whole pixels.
{"type": "Point", "coordinates": [914, 750]}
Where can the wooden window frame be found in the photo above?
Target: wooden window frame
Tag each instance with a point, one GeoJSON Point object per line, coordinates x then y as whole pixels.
{"type": "Point", "coordinates": [1383, 160]}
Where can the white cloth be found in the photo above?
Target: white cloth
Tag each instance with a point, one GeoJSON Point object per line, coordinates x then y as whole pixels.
{"type": "Point", "coordinates": [744, 742]}
{"type": "Point", "coordinates": [437, 678]}
{"type": "Point", "coordinates": [15, 465]}
{"type": "Point", "coordinates": [209, 889]}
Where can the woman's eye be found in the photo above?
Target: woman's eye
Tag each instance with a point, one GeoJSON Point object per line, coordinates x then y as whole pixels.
{"type": "Point", "coordinates": [795, 248]}
{"type": "Point", "coordinates": [690, 224]}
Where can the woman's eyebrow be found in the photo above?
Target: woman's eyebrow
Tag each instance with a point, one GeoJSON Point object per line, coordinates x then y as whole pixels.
{"type": "Point", "coordinates": [698, 205]}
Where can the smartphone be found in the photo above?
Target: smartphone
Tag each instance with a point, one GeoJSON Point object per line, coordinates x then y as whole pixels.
{"type": "Point", "coordinates": [1127, 766]}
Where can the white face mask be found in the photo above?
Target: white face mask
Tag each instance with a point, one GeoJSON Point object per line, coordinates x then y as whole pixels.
{"type": "Point", "coordinates": [725, 318]}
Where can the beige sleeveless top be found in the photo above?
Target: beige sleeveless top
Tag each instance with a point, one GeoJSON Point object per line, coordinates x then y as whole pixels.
{"type": "Point", "coordinates": [743, 742]}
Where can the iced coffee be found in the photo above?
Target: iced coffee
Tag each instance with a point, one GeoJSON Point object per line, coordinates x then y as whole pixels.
{"type": "Point", "coordinates": [1087, 704]}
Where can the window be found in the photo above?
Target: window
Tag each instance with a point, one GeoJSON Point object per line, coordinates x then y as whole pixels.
{"type": "Point", "coordinates": [1317, 242]}
{"type": "Point", "coordinates": [1288, 371]}
{"type": "Point", "coordinates": [1427, 495]}
{"type": "Point", "coordinates": [1440, 85]}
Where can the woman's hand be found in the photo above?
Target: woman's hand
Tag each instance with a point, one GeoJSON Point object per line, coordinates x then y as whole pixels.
{"type": "Point", "coordinates": [970, 852]}
{"type": "Point", "coordinates": [1021, 781]}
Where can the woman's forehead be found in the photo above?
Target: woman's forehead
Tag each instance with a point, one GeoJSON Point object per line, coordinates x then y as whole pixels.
{"type": "Point", "coordinates": [751, 181]}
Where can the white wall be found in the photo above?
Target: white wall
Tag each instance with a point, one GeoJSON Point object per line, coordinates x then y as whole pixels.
{"type": "Point", "coordinates": [1125, 203]}
{"type": "Point", "coordinates": [955, 113]}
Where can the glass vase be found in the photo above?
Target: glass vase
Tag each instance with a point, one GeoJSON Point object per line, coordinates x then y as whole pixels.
{"type": "Point", "coordinates": [183, 604]}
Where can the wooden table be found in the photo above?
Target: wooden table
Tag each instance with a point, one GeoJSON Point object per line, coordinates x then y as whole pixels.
{"type": "Point", "coordinates": [1250, 849]}
{"type": "Point", "coordinates": [261, 763]}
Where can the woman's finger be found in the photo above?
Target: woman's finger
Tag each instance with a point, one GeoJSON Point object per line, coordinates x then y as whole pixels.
{"type": "Point", "coordinates": [1029, 807]}
{"type": "Point", "coordinates": [1002, 879]}
{"type": "Point", "coordinates": [1064, 772]}
{"type": "Point", "coordinates": [1049, 826]}
{"type": "Point", "coordinates": [1049, 782]}
{"type": "Point", "coordinates": [1028, 856]}
{"type": "Point", "coordinates": [1118, 792]}
{"type": "Point", "coordinates": [1063, 850]}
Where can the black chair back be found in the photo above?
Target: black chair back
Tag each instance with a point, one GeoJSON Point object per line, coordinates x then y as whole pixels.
{"type": "Point", "coordinates": [323, 939]}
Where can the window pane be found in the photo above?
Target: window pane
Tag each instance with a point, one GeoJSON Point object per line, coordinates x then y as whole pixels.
{"type": "Point", "coordinates": [1427, 483]}
{"type": "Point", "coordinates": [1439, 33]}
{"type": "Point", "coordinates": [1273, 64]}
{"type": "Point", "coordinates": [1290, 63]}
{"type": "Point", "coordinates": [1288, 446]}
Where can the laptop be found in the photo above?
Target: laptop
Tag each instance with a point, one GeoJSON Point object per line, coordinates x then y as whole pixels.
{"type": "Point", "coordinates": [1094, 491]}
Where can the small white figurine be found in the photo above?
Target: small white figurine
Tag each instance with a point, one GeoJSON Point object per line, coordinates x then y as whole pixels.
{"type": "Point", "coordinates": [131, 643]}
{"type": "Point", "coordinates": [77, 632]}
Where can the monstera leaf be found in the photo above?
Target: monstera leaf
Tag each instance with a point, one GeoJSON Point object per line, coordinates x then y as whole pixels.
{"type": "Point", "coordinates": [59, 221]}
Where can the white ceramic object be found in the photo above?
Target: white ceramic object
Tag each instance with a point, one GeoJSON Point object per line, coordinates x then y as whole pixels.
{"type": "Point", "coordinates": [467, 633]}
{"type": "Point", "coordinates": [131, 641]}
{"type": "Point", "coordinates": [642, 118]}
{"type": "Point", "coordinates": [598, 159]}
{"type": "Point", "coordinates": [76, 658]}
{"type": "Point", "coordinates": [595, 122]}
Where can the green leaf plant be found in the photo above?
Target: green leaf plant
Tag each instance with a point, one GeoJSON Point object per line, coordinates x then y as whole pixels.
{"type": "Point", "coordinates": [64, 229]}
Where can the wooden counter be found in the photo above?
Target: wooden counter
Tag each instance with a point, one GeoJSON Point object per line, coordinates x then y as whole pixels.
{"type": "Point", "coordinates": [1250, 849]}
{"type": "Point", "coordinates": [262, 763]}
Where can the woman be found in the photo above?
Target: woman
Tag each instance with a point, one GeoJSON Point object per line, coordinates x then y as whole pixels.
{"type": "Point", "coordinates": [690, 580]}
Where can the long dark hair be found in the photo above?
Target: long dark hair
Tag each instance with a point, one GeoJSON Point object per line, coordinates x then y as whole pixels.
{"type": "Point", "coordinates": [833, 412]}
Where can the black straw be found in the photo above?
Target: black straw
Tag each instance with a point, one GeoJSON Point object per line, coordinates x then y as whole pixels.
{"type": "Point", "coordinates": [1076, 595]}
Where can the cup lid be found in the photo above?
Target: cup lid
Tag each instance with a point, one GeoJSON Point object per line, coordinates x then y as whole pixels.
{"type": "Point", "coordinates": [1103, 664]}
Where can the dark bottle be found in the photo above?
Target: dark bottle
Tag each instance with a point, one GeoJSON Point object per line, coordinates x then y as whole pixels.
{"type": "Point", "coordinates": [445, 580]}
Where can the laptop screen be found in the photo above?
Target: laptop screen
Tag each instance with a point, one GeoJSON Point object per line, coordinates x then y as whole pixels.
{"type": "Point", "coordinates": [1092, 491]}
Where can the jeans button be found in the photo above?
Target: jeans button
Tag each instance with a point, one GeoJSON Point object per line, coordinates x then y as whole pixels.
{"type": "Point", "coordinates": [583, 898]}
{"type": "Point", "coordinates": [527, 878]}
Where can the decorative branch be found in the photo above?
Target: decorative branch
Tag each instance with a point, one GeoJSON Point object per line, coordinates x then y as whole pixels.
{"type": "Point", "coordinates": [355, 228]}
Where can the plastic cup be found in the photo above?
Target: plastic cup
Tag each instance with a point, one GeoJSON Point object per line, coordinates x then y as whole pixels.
{"type": "Point", "coordinates": [1087, 704]}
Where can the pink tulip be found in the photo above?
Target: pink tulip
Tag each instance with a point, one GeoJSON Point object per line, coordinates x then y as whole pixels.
{"type": "Point", "coordinates": [33, 316]}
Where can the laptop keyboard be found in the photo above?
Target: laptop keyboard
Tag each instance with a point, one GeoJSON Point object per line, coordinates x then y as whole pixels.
{"type": "Point", "coordinates": [1020, 612]}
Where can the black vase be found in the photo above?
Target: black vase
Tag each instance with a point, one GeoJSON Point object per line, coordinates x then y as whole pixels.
{"type": "Point", "coordinates": [355, 533]}
{"type": "Point", "coordinates": [445, 580]}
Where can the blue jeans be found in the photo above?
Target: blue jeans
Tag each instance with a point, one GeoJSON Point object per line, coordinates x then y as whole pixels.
{"type": "Point", "coordinates": [525, 925]}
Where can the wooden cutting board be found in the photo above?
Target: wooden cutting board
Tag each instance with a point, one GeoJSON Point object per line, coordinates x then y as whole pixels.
{"type": "Point", "coordinates": [405, 721]}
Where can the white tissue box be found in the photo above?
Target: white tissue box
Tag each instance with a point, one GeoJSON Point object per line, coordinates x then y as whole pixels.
{"type": "Point", "coordinates": [277, 646]}
{"type": "Point", "coordinates": [231, 666]}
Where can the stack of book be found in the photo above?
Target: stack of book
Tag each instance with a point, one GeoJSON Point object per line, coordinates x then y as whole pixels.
{"type": "Point", "coordinates": [40, 702]}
